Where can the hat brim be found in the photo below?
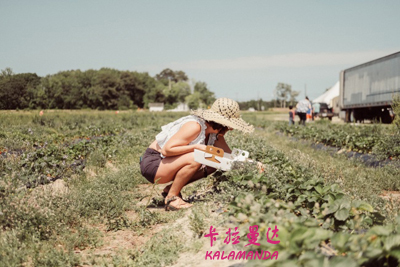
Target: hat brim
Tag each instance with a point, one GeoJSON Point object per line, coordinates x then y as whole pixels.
{"type": "Point", "coordinates": [235, 123]}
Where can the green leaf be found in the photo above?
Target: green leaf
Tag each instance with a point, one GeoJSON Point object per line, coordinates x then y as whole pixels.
{"type": "Point", "coordinates": [339, 240]}
{"type": "Point", "coordinates": [350, 224]}
{"type": "Point", "coordinates": [288, 263]}
{"type": "Point", "coordinates": [308, 255]}
{"type": "Point", "coordinates": [372, 252]}
{"type": "Point", "coordinates": [366, 207]}
{"type": "Point", "coordinates": [312, 199]}
{"type": "Point", "coordinates": [319, 189]}
{"type": "Point", "coordinates": [298, 234]}
{"type": "Point", "coordinates": [345, 203]}
{"type": "Point", "coordinates": [316, 262]}
{"type": "Point", "coordinates": [361, 205]}
{"type": "Point", "coordinates": [395, 253]}
{"type": "Point", "coordinates": [320, 235]}
{"type": "Point", "coordinates": [339, 196]}
{"type": "Point", "coordinates": [304, 212]}
{"type": "Point", "coordinates": [356, 203]}
{"type": "Point", "coordinates": [329, 197]}
{"type": "Point", "coordinates": [328, 224]}
{"type": "Point", "coordinates": [392, 241]}
{"type": "Point", "coordinates": [334, 187]}
{"type": "Point", "coordinates": [380, 230]}
{"type": "Point", "coordinates": [342, 261]}
{"type": "Point", "coordinates": [342, 214]}
{"type": "Point", "coordinates": [301, 199]}
{"type": "Point", "coordinates": [333, 207]}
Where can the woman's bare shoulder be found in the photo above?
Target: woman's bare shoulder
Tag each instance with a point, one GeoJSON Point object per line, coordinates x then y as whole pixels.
{"type": "Point", "coordinates": [192, 127]}
{"type": "Point", "coordinates": [186, 134]}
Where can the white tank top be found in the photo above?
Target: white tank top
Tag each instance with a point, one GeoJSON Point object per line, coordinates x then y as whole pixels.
{"type": "Point", "coordinates": [167, 131]}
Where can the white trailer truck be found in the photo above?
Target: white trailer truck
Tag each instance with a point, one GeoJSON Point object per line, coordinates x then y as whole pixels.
{"type": "Point", "coordinates": [367, 90]}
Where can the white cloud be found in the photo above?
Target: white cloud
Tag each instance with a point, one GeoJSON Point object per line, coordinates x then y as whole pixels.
{"type": "Point", "coordinates": [273, 61]}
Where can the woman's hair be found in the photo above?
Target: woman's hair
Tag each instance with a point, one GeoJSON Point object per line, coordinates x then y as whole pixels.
{"type": "Point", "coordinates": [216, 126]}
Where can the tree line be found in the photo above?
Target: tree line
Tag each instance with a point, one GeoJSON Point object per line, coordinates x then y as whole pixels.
{"type": "Point", "coordinates": [284, 97]}
{"type": "Point", "coordinates": [100, 89]}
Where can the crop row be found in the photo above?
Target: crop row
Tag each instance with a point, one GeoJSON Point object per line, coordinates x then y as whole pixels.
{"type": "Point", "coordinates": [29, 131]}
{"type": "Point", "coordinates": [37, 150]}
{"type": "Point", "coordinates": [364, 139]}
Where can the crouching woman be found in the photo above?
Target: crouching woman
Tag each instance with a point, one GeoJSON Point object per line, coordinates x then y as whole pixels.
{"type": "Point", "coordinates": [171, 156]}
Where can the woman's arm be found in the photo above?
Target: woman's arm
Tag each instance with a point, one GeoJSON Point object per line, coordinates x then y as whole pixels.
{"type": "Point", "coordinates": [178, 144]}
{"type": "Point", "coordinates": [221, 143]}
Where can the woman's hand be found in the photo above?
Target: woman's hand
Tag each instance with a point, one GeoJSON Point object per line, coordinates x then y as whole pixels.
{"type": "Point", "coordinates": [200, 147]}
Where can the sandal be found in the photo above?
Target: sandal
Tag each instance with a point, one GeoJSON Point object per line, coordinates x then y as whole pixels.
{"type": "Point", "coordinates": [165, 194]}
{"type": "Point", "coordinates": [169, 207]}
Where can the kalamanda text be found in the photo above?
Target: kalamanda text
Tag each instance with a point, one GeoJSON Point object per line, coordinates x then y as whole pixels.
{"type": "Point", "coordinates": [244, 255]}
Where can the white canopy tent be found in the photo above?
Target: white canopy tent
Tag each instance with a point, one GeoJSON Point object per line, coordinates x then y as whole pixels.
{"type": "Point", "coordinates": [329, 95]}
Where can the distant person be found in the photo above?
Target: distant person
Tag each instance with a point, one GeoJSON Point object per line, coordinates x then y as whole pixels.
{"type": "Point", "coordinates": [308, 114]}
{"type": "Point", "coordinates": [312, 112]}
{"type": "Point", "coordinates": [292, 113]}
{"type": "Point", "coordinates": [316, 107]}
{"type": "Point", "coordinates": [302, 108]}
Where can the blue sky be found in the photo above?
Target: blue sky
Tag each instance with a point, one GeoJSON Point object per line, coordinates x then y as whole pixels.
{"type": "Point", "coordinates": [241, 49]}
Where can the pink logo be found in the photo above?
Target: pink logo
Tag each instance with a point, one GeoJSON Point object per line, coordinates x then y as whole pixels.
{"type": "Point", "coordinates": [273, 236]}
{"type": "Point", "coordinates": [253, 235]}
{"type": "Point", "coordinates": [211, 235]}
{"type": "Point", "coordinates": [234, 236]}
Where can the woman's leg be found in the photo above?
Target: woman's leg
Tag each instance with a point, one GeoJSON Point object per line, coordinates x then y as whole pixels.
{"type": "Point", "coordinates": [200, 174]}
{"type": "Point", "coordinates": [183, 170]}
{"type": "Point", "coordinates": [180, 169]}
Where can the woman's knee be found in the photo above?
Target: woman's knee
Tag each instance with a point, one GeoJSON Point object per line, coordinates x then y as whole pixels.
{"type": "Point", "coordinates": [191, 161]}
{"type": "Point", "coordinates": [169, 167]}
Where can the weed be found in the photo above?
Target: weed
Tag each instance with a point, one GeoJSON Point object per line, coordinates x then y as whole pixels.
{"type": "Point", "coordinates": [197, 224]}
{"type": "Point", "coordinates": [13, 252]}
{"type": "Point", "coordinates": [97, 159]}
{"type": "Point", "coordinates": [81, 238]}
{"type": "Point", "coordinates": [47, 255]}
{"type": "Point", "coordinates": [161, 250]}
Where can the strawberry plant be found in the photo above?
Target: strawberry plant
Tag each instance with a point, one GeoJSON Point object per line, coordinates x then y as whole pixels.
{"type": "Point", "coordinates": [317, 222]}
{"type": "Point", "coordinates": [363, 139]}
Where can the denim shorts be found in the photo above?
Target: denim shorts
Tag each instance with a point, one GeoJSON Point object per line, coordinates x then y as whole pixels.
{"type": "Point", "coordinates": [149, 163]}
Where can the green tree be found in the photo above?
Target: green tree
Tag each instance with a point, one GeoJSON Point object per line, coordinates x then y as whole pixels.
{"type": "Point", "coordinates": [106, 89]}
{"type": "Point", "coordinates": [98, 89]}
{"type": "Point", "coordinates": [154, 95]}
{"type": "Point", "coordinates": [140, 86]}
{"type": "Point", "coordinates": [293, 95]}
{"type": "Point", "coordinates": [283, 91]}
{"type": "Point", "coordinates": [193, 100]}
{"type": "Point", "coordinates": [86, 80]}
{"type": "Point", "coordinates": [256, 104]}
{"type": "Point", "coordinates": [14, 89]}
{"type": "Point", "coordinates": [167, 75]}
{"type": "Point", "coordinates": [177, 93]}
{"type": "Point", "coordinates": [68, 89]}
{"type": "Point", "coordinates": [180, 76]}
{"type": "Point", "coordinates": [206, 96]}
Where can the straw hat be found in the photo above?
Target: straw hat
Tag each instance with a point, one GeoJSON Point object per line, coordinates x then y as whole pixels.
{"type": "Point", "coordinates": [225, 111]}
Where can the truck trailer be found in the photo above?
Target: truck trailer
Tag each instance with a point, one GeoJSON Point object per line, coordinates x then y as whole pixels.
{"type": "Point", "coordinates": [367, 90]}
